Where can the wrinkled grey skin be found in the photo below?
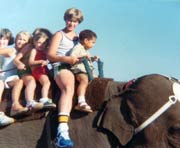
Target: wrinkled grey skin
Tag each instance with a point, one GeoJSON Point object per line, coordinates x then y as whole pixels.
{"type": "Point", "coordinates": [139, 101]}
{"type": "Point", "coordinates": [113, 125]}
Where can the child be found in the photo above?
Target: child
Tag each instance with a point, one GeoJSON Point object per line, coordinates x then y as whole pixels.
{"type": "Point", "coordinates": [87, 39]}
{"type": "Point", "coordinates": [62, 43]}
{"type": "Point", "coordinates": [24, 71]}
{"type": "Point", "coordinates": [38, 62]}
{"type": "Point", "coordinates": [9, 76]}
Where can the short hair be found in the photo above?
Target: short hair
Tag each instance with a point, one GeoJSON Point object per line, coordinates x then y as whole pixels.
{"type": "Point", "coordinates": [38, 30]}
{"type": "Point", "coordinates": [26, 33]}
{"type": "Point", "coordinates": [8, 35]}
{"type": "Point", "coordinates": [42, 33]}
{"type": "Point", "coordinates": [73, 14]}
{"type": "Point", "coordinates": [87, 34]}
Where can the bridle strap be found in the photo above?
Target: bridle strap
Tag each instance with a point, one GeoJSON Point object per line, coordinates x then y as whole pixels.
{"type": "Point", "coordinates": [172, 100]}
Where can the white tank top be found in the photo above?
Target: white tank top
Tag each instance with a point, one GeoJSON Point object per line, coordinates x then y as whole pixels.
{"type": "Point", "coordinates": [65, 46]}
{"type": "Point", "coordinates": [8, 65]}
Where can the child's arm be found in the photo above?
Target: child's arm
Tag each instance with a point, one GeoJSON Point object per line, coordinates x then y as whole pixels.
{"type": "Point", "coordinates": [7, 52]}
{"type": "Point", "coordinates": [32, 60]}
{"type": "Point", "coordinates": [17, 60]}
{"type": "Point", "coordinates": [53, 57]}
{"type": "Point", "coordinates": [18, 63]}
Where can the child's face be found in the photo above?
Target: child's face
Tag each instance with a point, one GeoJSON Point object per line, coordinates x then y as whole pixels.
{"type": "Point", "coordinates": [21, 40]}
{"type": "Point", "coordinates": [40, 44]}
{"type": "Point", "coordinates": [3, 42]}
{"type": "Point", "coordinates": [89, 43]}
{"type": "Point", "coordinates": [71, 24]}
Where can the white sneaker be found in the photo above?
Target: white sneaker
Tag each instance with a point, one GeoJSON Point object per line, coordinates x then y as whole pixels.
{"type": "Point", "coordinates": [5, 120]}
{"type": "Point", "coordinates": [48, 104]}
{"type": "Point", "coordinates": [33, 105]}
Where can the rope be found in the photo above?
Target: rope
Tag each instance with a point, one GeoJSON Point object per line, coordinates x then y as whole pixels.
{"type": "Point", "coordinates": [8, 70]}
{"type": "Point", "coordinates": [1, 71]}
{"type": "Point", "coordinates": [86, 65]}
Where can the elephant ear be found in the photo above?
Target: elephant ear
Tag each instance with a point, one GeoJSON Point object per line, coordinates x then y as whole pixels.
{"type": "Point", "coordinates": [112, 120]}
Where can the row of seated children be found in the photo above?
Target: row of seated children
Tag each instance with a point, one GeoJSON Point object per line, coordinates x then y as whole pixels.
{"type": "Point", "coordinates": [29, 57]}
{"type": "Point", "coordinates": [23, 65]}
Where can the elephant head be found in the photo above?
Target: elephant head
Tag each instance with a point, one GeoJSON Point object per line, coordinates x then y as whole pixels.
{"type": "Point", "coordinates": [124, 113]}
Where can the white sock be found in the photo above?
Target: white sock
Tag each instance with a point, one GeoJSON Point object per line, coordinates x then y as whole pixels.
{"type": "Point", "coordinates": [63, 128]}
{"type": "Point", "coordinates": [81, 99]}
{"type": "Point", "coordinates": [43, 100]}
{"type": "Point", "coordinates": [29, 102]}
{"type": "Point", "coordinates": [63, 113]}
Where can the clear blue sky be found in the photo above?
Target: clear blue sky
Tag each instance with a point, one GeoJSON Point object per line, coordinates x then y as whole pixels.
{"type": "Point", "coordinates": [135, 37]}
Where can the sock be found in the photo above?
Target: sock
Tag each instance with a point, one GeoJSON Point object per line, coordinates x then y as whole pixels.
{"type": "Point", "coordinates": [63, 128]}
{"type": "Point", "coordinates": [43, 100]}
{"type": "Point", "coordinates": [29, 102]}
{"type": "Point", "coordinates": [81, 99]}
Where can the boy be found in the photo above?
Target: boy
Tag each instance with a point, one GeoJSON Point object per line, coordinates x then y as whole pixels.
{"type": "Point", "coordinates": [87, 39]}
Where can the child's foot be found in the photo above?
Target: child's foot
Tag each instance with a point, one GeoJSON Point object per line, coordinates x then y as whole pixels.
{"type": "Point", "coordinates": [63, 140]}
{"type": "Point", "coordinates": [48, 104]}
{"type": "Point", "coordinates": [84, 107]}
{"type": "Point", "coordinates": [34, 106]}
{"type": "Point", "coordinates": [18, 109]}
{"type": "Point", "coordinates": [5, 120]}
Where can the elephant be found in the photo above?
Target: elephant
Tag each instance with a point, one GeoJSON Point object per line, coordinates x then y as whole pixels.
{"type": "Point", "coordinates": [118, 116]}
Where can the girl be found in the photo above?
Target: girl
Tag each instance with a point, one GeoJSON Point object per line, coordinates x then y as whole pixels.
{"type": "Point", "coordinates": [62, 43]}
{"type": "Point", "coordinates": [38, 62]}
{"type": "Point", "coordinates": [9, 77]}
{"type": "Point", "coordinates": [22, 63]}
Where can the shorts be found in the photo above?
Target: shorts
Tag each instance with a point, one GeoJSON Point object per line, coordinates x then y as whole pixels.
{"type": "Point", "coordinates": [9, 79]}
{"type": "Point", "coordinates": [38, 72]}
{"type": "Point", "coordinates": [57, 69]}
{"type": "Point", "coordinates": [24, 72]}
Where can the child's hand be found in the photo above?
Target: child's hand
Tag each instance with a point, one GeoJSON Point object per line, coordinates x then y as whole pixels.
{"type": "Point", "coordinates": [95, 58]}
{"type": "Point", "coordinates": [44, 63]}
{"type": "Point", "coordinates": [73, 60]}
{"type": "Point", "coordinates": [88, 57]}
{"type": "Point", "coordinates": [21, 67]}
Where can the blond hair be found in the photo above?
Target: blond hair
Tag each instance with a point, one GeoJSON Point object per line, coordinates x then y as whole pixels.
{"type": "Point", "coordinates": [26, 33]}
{"type": "Point", "coordinates": [73, 14]}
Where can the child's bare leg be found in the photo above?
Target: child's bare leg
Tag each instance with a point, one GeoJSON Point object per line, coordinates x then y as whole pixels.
{"type": "Point", "coordinates": [44, 80]}
{"type": "Point", "coordinates": [30, 84]}
{"type": "Point", "coordinates": [16, 86]}
{"type": "Point", "coordinates": [1, 89]}
{"type": "Point", "coordinates": [81, 91]}
{"type": "Point", "coordinates": [48, 104]}
{"type": "Point", "coordinates": [83, 83]}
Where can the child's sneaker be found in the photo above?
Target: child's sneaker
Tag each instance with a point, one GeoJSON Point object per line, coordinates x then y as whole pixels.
{"type": "Point", "coordinates": [33, 105]}
{"type": "Point", "coordinates": [5, 120]}
{"type": "Point", "coordinates": [63, 142]}
{"type": "Point", "coordinates": [48, 104]}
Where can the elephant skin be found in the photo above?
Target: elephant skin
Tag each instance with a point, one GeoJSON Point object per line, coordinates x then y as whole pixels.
{"type": "Point", "coordinates": [113, 124]}
{"type": "Point", "coordinates": [135, 105]}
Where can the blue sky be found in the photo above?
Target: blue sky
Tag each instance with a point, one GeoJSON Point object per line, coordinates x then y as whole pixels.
{"type": "Point", "coordinates": [135, 37]}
